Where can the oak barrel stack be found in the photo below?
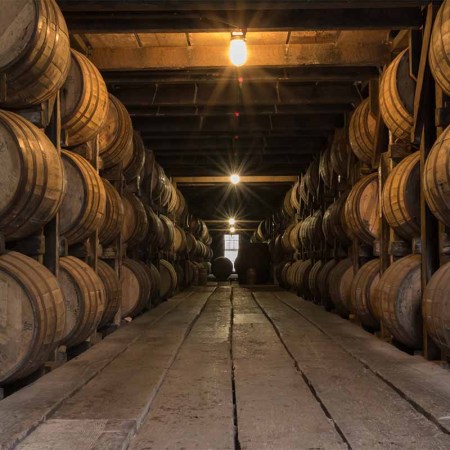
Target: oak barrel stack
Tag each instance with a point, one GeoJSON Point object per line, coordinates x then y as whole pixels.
{"type": "Point", "coordinates": [32, 181]}
{"type": "Point", "coordinates": [34, 52]}
{"type": "Point", "coordinates": [32, 316]}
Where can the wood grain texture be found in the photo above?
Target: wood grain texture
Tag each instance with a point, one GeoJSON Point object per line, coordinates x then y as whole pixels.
{"type": "Point", "coordinates": [32, 316]}
{"type": "Point", "coordinates": [32, 183]}
{"type": "Point", "coordinates": [34, 51]}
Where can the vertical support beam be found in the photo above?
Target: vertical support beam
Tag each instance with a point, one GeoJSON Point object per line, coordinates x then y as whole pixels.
{"type": "Point", "coordinates": [424, 131]}
{"type": "Point", "coordinates": [51, 230]}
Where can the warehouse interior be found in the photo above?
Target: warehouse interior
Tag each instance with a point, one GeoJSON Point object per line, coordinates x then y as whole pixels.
{"type": "Point", "coordinates": [224, 224]}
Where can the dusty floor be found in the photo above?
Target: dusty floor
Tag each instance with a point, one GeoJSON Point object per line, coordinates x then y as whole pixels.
{"type": "Point", "coordinates": [228, 368]}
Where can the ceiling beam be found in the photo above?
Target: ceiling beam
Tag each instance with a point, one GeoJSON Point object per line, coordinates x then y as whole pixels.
{"type": "Point", "coordinates": [270, 55]}
{"type": "Point", "coordinates": [241, 97]}
{"type": "Point", "coordinates": [244, 179]}
{"type": "Point", "coordinates": [295, 74]}
{"type": "Point", "coordinates": [250, 19]}
{"type": "Point", "coordinates": [230, 5]}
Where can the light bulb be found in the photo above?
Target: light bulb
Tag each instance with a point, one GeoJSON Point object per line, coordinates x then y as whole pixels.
{"type": "Point", "coordinates": [235, 178]}
{"type": "Point", "coordinates": [232, 230]}
{"type": "Point", "coordinates": [238, 49]}
{"type": "Point", "coordinates": [231, 221]}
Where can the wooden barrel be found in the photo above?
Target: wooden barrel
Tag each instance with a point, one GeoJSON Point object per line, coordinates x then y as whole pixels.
{"type": "Point", "coordinates": [176, 208]}
{"type": "Point", "coordinates": [361, 209]}
{"type": "Point", "coordinates": [436, 178]}
{"type": "Point", "coordinates": [333, 222]}
{"type": "Point", "coordinates": [32, 316]}
{"type": "Point", "coordinates": [32, 182]}
{"type": "Point", "coordinates": [156, 284]}
{"type": "Point", "coordinates": [179, 240]}
{"type": "Point", "coordinates": [222, 268]}
{"type": "Point", "coordinates": [398, 297]}
{"type": "Point", "coordinates": [303, 190]}
{"type": "Point", "coordinates": [84, 297]}
{"type": "Point", "coordinates": [161, 186]}
{"type": "Point", "coordinates": [134, 161]}
{"type": "Point", "coordinates": [116, 135]}
{"type": "Point", "coordinates": [326, 169]}
{"type": "Point", "coordinates": [281, 274]}
{"type": "Point", "coordinates": [401, 195]}
{"type": "Point", "coordinates": [135, 223]}
{"type": "Point", "coordinates": [340, 281]}
{"type": "Point", "coordinates": [312, 178]}
{"type": "Point", "coordinates": [288, 245]}
{"type": "Point", "coordinates": [113, 291]}
{"type": "Point", "coordinates": [323, 281]}
{"type": "Point", "coordinates": [440, 48]}
{"type": "Point", "coordinates": [155, 235]}
{"type": "Point", "coordinates": [340, 152]}
{"type": "Point", "coordinates": [114, 215]}
{"type": "Point", "coordinates": [397, 97]}
{"type": "Point", "coordinates": [169, 280]}
{"type": "Point", "coordinates": [169, 232]}
{"type": "Point", "coordinates": [313, 279]}
{"type": "Point", "coordinates": [84, 101]}
{"type": "Point", "coordinates": [83, 208]}
{"type": "Point", "coordinates": [362, 132]}
{"type": "Point", "coordinates": [290, 274]}
{"type": "Point", "coordinates": [311, 230]}
{"type": "Point", "coordinates": [301, 278]}
{"type": "Point", "coordinates": [136, 287]}
{"type": "Point", "coordinates": [34, 51]}
{"type": "Point", "coordinates": [202, 274]}
{"type": "Point", "coordinates": [362, 293]}
{"type": "Point", "coordinates": [435, 310]}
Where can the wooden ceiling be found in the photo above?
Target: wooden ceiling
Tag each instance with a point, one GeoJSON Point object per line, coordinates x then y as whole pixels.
{"type": "Point", "coordinates": [309, 64]}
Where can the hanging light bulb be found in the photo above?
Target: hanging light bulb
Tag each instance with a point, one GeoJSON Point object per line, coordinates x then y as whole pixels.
{"type": "Point", "coordinates": [231, 221]}
{"type": "Point", "coordinates": [238, 48]}
{"type": "Point", "coordinates": [232, 230]}
{"type": "Point", "coordinates": [235, 178]}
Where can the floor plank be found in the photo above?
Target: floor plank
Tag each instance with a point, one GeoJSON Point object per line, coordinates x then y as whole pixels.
{"type": "Point", "coordinates": [369, 412]}
{"type": "Point", "coordinates": [124, 391]}
{"type": "Point", "coordinates": [275, 407]}
{"type": "Point", "coordinates": [194, 407]}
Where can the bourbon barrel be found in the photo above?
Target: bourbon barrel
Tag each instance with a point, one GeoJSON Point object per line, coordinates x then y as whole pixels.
{"type": "Point", "coordinates": [179, 240]}
{"type": "Point", "coordinates": [435, 310]}
{"type": "Point", "coordinates": [134, 161]}
{"type": "Point", "coordinates": [311, 230]}
{"type": "Point", "coordinates": [323, 281]}
{"type": "Point", "coordinates": [136, 287]}
{"type": "Point", "coordinates": [116, 135]}
{"type": "Point", "coordinates": [161, 186]}
{"type": "Point", "coordinates": [362, 132]}
{"type": "Point", "coordinates": [401, 194]}
{"type": "Point", "coordinates": [333, 222]}
{"type": "Point", "coordinates": [114, 215]}
{"type": "Point", "coordinates": [34, 51]}
{"type": "Point", "coordinates": [397, 97]}
{"type": "Point", "coordinates": [362, 293]}
{"type": "Point", "coordinates": [436, 178]}
{"type": "Point", "coordinates": [84, 101]}
{"type": "Point", "coordinates": [313, 279]}
{"type": "Point", "coordinates": [399, 299]}
{"type": "Point", "coordinates": [32, 316]}
{"type": "Point", "coordinates": [440, 48]}
{"type": "Point", "coordinates": [169, 278]}
{"type": "Point", "coordinates": [361, 209]}
{"type": "Point", "coordinates": [312, 178]}
{"type": "Point", "coordinates": [135, 223]}
{"type": "Point", "coordinates": [169, 232]}
{"type": "Point", "coordinates": [113, 292]}
{"type": "Point", "coordinates": [83, 208]}
{"type": "Point", "coordinates": [326, 169]}
{"type": "Point", "coordinates": [222, 268]}
{"type": "Point", "coordinates": [155, 235]}
{"type": "Point", "coordinates": [340, 282]}
{"type": "Point", "coordinates": [301, 278]}
{"type": "Point", "coordinates": [32, 184]}
{"type": "Point", "coordinates": [287, 242]}
{"type": "Point", "coordinates": [156, 284]}
{"type": "Point", "coordinates": [84, 298]}
{"type": "Point", "coordinates": [340, 152]}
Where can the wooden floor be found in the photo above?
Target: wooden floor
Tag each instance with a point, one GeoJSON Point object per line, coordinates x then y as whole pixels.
{"type": "Point", "coordinates": [227, 368]}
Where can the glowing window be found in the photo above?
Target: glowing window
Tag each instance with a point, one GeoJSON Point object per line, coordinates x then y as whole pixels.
{"type": "Point", "coordinates": [231, 246]}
